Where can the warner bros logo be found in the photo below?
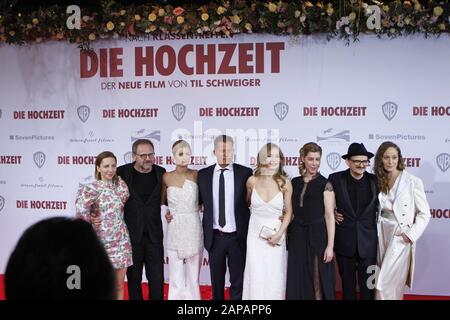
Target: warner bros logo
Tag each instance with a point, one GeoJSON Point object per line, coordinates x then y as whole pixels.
{"type": "Point", "coordinates": [389, 110]}
{"type": "Point", "coordinates": [83, 113]}
{"type": "Point", "coordinates": [39, 159]}
{"type": "Point", "coordinates": [178, 111]}
{"type": "Point", "coordinates": [2, 203]}
{"type": "Point", "coordinates": [127, 157]}
{"type": "Point", "coordinates": [333, 160]}
{"type": "Point", "coordinates": [281, 110]}
{"type": "Point", "coordinates": [443, 161]}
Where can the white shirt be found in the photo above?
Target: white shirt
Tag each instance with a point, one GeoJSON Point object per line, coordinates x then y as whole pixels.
{"type": "Point", "coordinates": [230, 221]}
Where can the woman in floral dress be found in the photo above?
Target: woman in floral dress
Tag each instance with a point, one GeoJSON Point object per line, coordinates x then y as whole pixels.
{"type": "Point", "coordinates": [101, 203]}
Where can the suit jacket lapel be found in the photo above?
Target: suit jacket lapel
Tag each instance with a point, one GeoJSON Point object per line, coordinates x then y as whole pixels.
{"type": "Point", "coordinates": [236, 187]}
{"type": "Point", "coordinates": [373, 189]}
{"type": "Point", "coordinates": [210, 178]}
{"type": "Point", "coordinates": [345, 192]}
{"type": "Point", "coordinates": [158, 178]}
{"type": "Point", "coordinates": [404, 180]}
{"type": "Point", "coordinates": [130, 175]}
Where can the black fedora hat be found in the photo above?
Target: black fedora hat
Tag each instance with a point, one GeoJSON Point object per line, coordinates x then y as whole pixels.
{"type": "Point", "coordinates": [357, 149]}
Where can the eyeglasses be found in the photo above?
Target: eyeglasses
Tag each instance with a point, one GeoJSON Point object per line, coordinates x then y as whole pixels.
{"type": "Point", "coordinates": [145, 155]}
{"type": "Point", "coordinates": [360, 162]}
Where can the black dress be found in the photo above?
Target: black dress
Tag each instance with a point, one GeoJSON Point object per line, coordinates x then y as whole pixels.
{"type": "Point", "coordinates": [308, 277]}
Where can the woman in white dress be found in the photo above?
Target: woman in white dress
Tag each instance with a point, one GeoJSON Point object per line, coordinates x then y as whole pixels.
{"type": "Point", "coordinates": [403, 217]}
{"type": "Point", "coordinates": [184, 231]}
{"type": "Point", "coordinates": [269, 193]}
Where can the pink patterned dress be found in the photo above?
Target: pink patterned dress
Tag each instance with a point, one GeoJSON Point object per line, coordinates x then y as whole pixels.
{"type": "Point", "coordinates": [107, 201]}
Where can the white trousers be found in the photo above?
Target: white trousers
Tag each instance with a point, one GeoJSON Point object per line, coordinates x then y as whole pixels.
{"type": "Point", "coordinates": [394, 258]}
{"type": "Point", "coordinates": [183, 277]}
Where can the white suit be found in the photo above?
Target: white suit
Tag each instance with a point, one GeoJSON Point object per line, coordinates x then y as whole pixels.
{"type": "Point", "coordinates": [405, 210]}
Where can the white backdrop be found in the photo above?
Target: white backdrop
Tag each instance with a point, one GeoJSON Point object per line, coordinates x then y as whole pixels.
{"type": "Point", "coordinates": [371, 91]}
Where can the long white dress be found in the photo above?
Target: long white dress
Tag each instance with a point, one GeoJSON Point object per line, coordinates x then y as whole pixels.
{"type": "Point", "coordinates": [265, 266]}
{"type": "Point", "coordinates": [184, 242]}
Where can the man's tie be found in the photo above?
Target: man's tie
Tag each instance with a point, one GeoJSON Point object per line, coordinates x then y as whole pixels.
{"type": "Point", "coordinates": [222, 199]}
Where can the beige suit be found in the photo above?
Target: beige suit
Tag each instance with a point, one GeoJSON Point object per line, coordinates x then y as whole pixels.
{"type": "Point", "coordinates": [410, 215]}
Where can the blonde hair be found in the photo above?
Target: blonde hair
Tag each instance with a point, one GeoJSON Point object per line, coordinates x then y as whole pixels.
{"type": "Point", "coordinates": [307, 148]}
{"type": "Point", "coordinates": [179, 144]}
{"type": "Point", "coordinates": [280, 175]}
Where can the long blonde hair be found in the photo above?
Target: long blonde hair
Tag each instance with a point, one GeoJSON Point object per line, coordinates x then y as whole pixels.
{"type": "Point", "coordinates": [383, 179]}
{"type": "Point", "coordinates": [280, 175]}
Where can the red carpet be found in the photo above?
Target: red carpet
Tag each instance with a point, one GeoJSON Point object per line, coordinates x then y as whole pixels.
{"type": "Point", "coordinates": [206, 293]}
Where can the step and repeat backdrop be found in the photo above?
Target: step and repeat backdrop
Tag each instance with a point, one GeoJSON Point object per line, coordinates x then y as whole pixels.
{"type": "Point", "coordinates": [60, 107]}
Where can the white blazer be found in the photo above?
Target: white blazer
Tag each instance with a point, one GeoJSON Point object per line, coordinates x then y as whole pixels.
{"type": "Point", "coordinates": [412, 212]}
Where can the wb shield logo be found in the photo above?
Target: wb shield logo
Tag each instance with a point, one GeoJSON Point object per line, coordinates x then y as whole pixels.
{"type": "Point", "coordinates": [2, 203]}
{"type": "Point", "coordinates": [390, 110]}
{"type": "Point", "coordinates": [178, 111]}
{"type": "Point", "coordinates": [443, 161]}
{"type": "Point", "coordinates": [127, 157]}
{"type": "Point", "coordinates": [39, 159]}
{"type": "Point", "coordinates": [281, 110]}
{"type": "Point", "coordinates": [333, 160]}
{"type": "Point", "coordinates": [83, 113]}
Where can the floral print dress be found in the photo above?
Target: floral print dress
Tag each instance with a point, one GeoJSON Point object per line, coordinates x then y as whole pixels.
{"type": "Point", "coordinates": [107, 200]}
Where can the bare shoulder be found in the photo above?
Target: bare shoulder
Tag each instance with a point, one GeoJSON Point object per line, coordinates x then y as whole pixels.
{"type": "Point", "coordinates": [193, 174]}
{"type": "Point", "coordinates": [287, 180]}
{"type": "Point", "coordinates": [251, 181]}
{"type": "Point", "coordinates": [167, 177]}
{"type": "Point", "coordinates": [288, 183]}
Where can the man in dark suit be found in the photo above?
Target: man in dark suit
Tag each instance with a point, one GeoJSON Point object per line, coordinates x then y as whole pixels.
{"type": "Point", "coordinates": [356, 239]}
{"type": "Point", "coordinates": [143, 218]}
{"type": "Point", "coordinates": [222, 189]}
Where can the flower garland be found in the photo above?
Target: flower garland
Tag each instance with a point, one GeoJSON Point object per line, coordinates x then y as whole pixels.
{"type": "Point", "coordinates": [344, 19]}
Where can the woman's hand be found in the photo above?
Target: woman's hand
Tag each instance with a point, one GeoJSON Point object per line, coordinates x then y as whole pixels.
{"type": "Point", "coordinates": [96, 220]}
{"type": "Point", "coordinates": [405, 238]}
{"type": "Point", "coordinates": [328, 254]}
{"type": "Point", "coordinates": [338, 217]}
{"type": "Point", "coordinates": [275, 239]}
{"type": "Point", "coordinates": [169, 217]}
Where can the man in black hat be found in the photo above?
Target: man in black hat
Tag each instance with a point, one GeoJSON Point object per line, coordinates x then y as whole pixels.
{"type": "Point", "coordinates": [356, 239]}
